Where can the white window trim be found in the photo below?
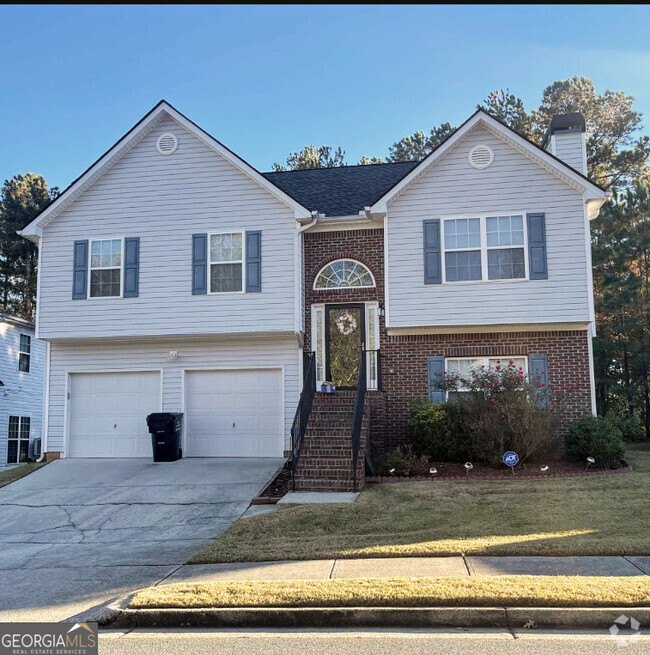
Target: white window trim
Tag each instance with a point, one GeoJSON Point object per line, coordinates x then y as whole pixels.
{"type": "Point", "coordinates": [24, 352]}
{"type": "Point", "coordinates": [486, 360]}
{"type": "Point", "coordinates": [484, 247]}
{"type": "Point", "coordinates": [344, 259]}
{"type": "Point", "coordinates": [105, 268]}
{"type": "Point", "coordinates": [235, 261]}
{"type": "Point", "coordinates": [19, 439]}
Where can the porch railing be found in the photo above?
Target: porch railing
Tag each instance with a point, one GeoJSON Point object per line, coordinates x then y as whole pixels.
{"type": "Point", "coordinates": [357, 416]}
{"type": "Point", "coordinates": [303, 411]}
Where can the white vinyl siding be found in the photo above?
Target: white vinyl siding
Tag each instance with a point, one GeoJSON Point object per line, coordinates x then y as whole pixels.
{"type": "Point", "coordinates": [164, 201]}
{"type": "Point", "coordinates": [22, 394]}
{"type": "Point", "coordinates": [452, 188]}
{"type": "Point", "coordinates": [234, 353]}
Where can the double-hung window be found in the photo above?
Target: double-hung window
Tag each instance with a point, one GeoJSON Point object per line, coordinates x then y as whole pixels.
{"type": "Point", "coordinates": [484, 248]}
{"type": "Point", "coordinates": [466, 366]}
{"type": "Point", "coordinates": [18, 439]}
{"type": "Point", "coordinates": [227, 262]}
{"type": "Point", "coordinates": [505, 247]}
{"type": "Point", "coordinates": [25, 353]}
{"type": "Point", "coordinates": [106, 268]}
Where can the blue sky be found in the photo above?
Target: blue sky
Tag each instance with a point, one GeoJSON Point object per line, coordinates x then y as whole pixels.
{"type": "Point", "coordinates": [268, 80]}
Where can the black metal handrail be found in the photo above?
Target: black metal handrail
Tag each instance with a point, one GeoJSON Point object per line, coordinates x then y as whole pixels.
{"type": "Point", "coordinates": [303, 411]}
{"type": "Point", "coordinates": [357, 416]}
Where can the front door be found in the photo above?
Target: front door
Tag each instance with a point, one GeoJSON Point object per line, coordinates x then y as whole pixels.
{"type": "Point", "coordinates": [345, 331]}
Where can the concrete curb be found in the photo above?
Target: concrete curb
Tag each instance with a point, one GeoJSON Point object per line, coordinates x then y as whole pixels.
{"type": "Point", "coordinates": [375, 617]}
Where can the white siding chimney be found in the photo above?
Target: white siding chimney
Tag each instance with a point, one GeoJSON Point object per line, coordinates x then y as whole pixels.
{"type": "Point", "coordinates": [566, 139]}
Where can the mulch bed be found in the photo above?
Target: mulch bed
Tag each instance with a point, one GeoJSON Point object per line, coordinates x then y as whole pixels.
{"type": "Point", "coordinates": [274, 489]}
{"type": "Point", "coordinates": [456, 471]}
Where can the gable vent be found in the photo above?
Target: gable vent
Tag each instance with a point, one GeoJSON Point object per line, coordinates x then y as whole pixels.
{"type": "Point", "coordinates": [480, 157]}
{"type": "Point", "coordinates": [167, 144]}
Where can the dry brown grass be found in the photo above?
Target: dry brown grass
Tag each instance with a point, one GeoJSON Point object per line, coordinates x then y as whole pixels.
{"type": "Point", "coordinates": [479, 591]}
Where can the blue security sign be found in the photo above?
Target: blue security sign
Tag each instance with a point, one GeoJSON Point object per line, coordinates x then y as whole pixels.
{"type": "Point", "coordinates": [511, 458]}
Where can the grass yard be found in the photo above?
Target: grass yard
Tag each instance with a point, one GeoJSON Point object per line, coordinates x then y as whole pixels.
{"type": "Point", "coordinates": [600, 515]}
{"type": "Point", "coordinates": [13, 474]}
{"type": "Point", "coordinates": [481, 591]}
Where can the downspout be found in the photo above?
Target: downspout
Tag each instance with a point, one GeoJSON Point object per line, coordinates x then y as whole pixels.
{"type": "Point", "coordinates": [298, 264]}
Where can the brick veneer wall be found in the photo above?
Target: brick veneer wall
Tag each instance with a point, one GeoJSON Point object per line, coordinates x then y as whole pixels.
{"type": "Point", "coordinates": [406, 356]}
{"type": "Point", "coordinates": [366, 246]}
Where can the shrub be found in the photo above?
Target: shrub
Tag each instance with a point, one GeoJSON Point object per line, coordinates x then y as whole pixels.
{"type": "Point", "coordinates": [631, 428]}
{"type": "Point", "coordinates": [430, 431]}
{"type": "Point", "coordinates": [401, 460]}
{"type": "Point", "coordinates": [595, 437]}
{"type": "Point", "coordinates": [490, 412]}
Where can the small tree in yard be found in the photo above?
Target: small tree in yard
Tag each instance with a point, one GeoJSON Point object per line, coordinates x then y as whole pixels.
{"type": "Point", "coordinates": [500, 409]}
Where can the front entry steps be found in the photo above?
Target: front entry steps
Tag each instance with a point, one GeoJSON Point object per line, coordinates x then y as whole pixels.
{"type": "Point", "coordinates": [325, 462]}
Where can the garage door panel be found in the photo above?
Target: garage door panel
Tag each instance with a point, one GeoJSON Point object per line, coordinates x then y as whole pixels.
{"type": "Point", "coordinates": [234, 413]}
{"type": "Point", "coordinates": [108, 413]}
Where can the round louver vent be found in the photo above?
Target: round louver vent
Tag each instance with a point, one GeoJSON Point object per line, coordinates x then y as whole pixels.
{"type": "Point", "coordinates": [167, 144]}
{"type": "Point", "coordinates": [480, 156]}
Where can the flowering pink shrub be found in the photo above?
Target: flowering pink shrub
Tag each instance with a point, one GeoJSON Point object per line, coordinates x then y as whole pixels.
{"type": "Point", "coordinates": [495, 410]}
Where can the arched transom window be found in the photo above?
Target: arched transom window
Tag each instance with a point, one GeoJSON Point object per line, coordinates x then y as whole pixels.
{"type": "Point", "coordinates": [344, 274]}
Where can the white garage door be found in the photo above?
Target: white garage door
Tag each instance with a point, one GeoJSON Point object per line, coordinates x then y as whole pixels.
{"type": "Point", "coordinates": [108, 413]}
{"type": "Point", "coordinates": [234, 413]}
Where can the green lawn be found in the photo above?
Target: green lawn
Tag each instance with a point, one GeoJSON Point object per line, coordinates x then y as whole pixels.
{"type": "Point", "coordinates": [603, 515]}
{"type": "Point", "coordinates": [480, 591]}
{"type": "Point", "coordinates": [13, 474]}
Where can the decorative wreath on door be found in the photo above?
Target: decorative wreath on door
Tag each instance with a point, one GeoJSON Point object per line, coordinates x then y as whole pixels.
{"type": "Point", "coordinates": [346, 323]}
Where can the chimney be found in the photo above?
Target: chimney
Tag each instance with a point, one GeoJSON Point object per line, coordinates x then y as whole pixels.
{"type": "Point", "coordinates": [566, 139]}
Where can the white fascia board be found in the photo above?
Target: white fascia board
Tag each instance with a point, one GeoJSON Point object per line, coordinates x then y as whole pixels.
{"type": "Point", "coordinates": [131, 138]}
{"type": "Point", "coordinates": [541, 157]}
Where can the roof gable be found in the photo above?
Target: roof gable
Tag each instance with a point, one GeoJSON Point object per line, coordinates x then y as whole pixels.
{"type": "Point", "coordinates": [131, 139]}
{"type": "Point", "coordinates": [532, 151]}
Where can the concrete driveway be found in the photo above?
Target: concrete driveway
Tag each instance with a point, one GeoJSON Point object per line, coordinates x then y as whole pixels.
{"type": "Point", "coordinates": [82, 531]}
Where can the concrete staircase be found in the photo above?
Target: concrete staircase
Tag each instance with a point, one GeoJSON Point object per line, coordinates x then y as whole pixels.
{"type": "Point", "coordinates": [325, 463]}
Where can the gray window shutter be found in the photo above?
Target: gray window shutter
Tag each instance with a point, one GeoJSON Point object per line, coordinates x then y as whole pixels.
{"type": "Point", "coordinates": [538, 370]}
{"type": "Point", "coordinates": [199, 264]}
{"type": "Point", "coordinates": [537, 246]}
{"type": "Point", "coordinates": [80, 270]}
{"type": "Point", "coordinates": [432, 260]}
{"type": "Point", "coordinates": [131, 267]}
{"type": "Point", "coordinates": [253, 261]}
{"type": "Point", "coordinates": [435, 369]}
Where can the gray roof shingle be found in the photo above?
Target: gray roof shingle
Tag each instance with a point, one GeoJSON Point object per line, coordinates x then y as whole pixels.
{"type": "Point", "coordinates": [343, 190]}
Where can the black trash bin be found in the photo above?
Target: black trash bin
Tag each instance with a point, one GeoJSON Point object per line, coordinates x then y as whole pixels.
{"type": "Point", "coordinates": [166, 429]}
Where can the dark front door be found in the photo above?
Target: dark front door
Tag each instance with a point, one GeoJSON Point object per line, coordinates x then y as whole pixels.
{"type": "Point", "coordinates": [345, 331]}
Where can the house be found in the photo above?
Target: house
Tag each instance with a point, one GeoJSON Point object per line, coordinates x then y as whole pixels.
{"type": "Point", "coordinates": [22, 377]}
{"type": "Point", "coordinates": [176, 277]}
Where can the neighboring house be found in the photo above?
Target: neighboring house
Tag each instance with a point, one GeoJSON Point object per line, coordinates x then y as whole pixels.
{"type": "Point", "coordinates": [175, 276]}
{"type": "Point", "coordinates": [22, 373]}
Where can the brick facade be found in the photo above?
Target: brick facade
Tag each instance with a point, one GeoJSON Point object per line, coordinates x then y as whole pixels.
{"type": "Point", "coordinates": [404, 357]}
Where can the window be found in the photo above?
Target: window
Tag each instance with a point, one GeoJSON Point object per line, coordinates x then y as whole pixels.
{"type": "Point", "coordinates": [106, 268]}
{"type": "Point", "coordinates": [18, 439]}
{"type": "Point", "coordinates": [461, 263]}
{"type": "Point", "coordinates": [505, 247]}
{"type": "Point", "coordinates": [484, 248]}
{"type": "Point", "coordinates": [227, 262]}
{"type": "Point", "coordinates": [24, 355]}
{"type": "Point", "coordinates": [344, 274]}
{"type": "Point", "coordinates": [465, 366]}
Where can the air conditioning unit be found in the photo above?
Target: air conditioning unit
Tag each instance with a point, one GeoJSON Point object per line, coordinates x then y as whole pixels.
{"type": "Point", "coordinates": [36, 448]}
